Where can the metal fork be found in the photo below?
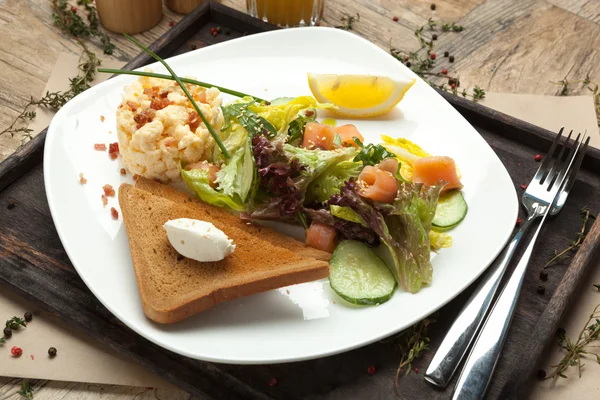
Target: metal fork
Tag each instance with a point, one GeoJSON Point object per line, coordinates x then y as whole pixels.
{"type": "Point", "coordinates": [542, 195]}
{"type": "Point", "coordinates": [464, 329]}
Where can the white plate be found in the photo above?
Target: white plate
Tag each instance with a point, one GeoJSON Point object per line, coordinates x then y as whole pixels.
{"type": "Point", "coordinates": [310, 321]}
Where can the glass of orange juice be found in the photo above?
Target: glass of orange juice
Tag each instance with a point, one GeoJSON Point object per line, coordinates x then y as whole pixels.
{"type": "Point", "coordinates": [287, 13]}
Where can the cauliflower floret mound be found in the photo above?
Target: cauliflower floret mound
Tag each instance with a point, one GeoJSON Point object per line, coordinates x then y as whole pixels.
{"type": "Point", "coordinates": [158, 127]}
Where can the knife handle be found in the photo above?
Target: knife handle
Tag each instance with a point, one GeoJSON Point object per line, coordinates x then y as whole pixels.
{"type": "Point", "coordinates": [464, 329]}
{"type": "Point", "coordinates": [479, 368]}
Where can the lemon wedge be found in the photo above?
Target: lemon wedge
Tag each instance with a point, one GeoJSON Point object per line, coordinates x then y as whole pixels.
{"type": "Point", "coordinates": [358, 95]}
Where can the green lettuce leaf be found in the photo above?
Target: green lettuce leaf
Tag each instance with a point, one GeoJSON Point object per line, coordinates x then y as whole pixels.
{"type": "Point", "coordinates": [347, 214]}
{"type": "Point", "coordinates": [281, 115]}
{"type": "Point", "coordinates": [329, 182]}
{"type": "Point", "coordinates": [236, 176]}
{"type": "Point", "coordinates": [197, 181]}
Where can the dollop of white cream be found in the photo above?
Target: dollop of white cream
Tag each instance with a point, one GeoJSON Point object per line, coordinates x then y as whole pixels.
{"type": "Point", "coordinates": [198, 240]}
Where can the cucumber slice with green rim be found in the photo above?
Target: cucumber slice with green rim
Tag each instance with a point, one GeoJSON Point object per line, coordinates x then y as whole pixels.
{"type": "Point", "coordinates": [359, 276]}
{"type": "Point", "coordinates": [451, 210]}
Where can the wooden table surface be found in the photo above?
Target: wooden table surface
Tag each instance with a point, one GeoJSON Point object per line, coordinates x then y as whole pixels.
{"type": "Point", "coordinates": [516, 46]}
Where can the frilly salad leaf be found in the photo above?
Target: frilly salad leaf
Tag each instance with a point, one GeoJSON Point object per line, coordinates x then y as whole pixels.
{"type": "Point", "coordinates": [197, 180]}
{"type": "Point", "coordinates": [287, 171]}
{"type": "Point", "coordinates": [403, 227]}
{"type": "Point", "coordinates": [346, 213]}
{"type": "Point", "coordinates": [347, 228]}
{"type": "Point", "coordinates": [329, 182]}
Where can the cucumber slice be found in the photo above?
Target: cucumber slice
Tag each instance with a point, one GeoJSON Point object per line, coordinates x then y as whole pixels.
{"type": "Point", "coordinates": [359, 276]}
{"type": "Point", "coordinates": [451, 210]}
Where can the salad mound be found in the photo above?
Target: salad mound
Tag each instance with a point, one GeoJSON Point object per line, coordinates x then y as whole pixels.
{"type": "Point", "coordinates": [285, 166]}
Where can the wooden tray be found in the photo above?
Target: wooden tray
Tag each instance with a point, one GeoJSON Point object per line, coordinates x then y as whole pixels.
{"type": "Point", "coordinates": [34, 264]}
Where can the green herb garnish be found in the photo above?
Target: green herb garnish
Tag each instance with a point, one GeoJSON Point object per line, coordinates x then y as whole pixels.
{"type": "Point", "coordinates": [296, 130]}
{"type": "Point", "coordinates": [187, 93]}
{"type": "Point", "coordinates": [26, 390]}
{"type": "Point", "coordinates": [15, 322]}
{"type": "Point", "coordinates": [371, 154]}
{"type": "Point", "coordinates": [185, 80]}
{"type": "Point", "coordinates": [251, 121]}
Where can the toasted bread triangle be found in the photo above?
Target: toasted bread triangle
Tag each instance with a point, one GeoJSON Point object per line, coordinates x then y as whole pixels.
{"type": "Point", "coordinates": [173, 288]}
{"type": "Point", "coordinates": [268, 234]}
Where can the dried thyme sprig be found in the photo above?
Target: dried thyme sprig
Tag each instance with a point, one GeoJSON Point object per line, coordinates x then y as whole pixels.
{"type": "Point", "coordinates": [586, 83]}
{"type": "Point", "coordinates": [580, 348]}
{"type": "Point", "coordinates": [580, 237]}
{"type": "Point", "coordinates": [88, 62]}
{"type": "Point", "coordinates": [423, 64]}
{"type": "Point", "coordinates": [26, 390]}
{"type": "Point", "coordinates": [348, 22]}
{"type": "Point", "coordinates": [67, 18]}
{"type": "Point", "coordinates": [412, 343]}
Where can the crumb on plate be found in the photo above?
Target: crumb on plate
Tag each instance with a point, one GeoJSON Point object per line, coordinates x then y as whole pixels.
{"type": "Point", "coordinates": [82, 180]}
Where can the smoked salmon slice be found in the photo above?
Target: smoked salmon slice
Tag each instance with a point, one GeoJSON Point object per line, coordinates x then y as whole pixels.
{"type": "Point", "coordinates": [432, 171]}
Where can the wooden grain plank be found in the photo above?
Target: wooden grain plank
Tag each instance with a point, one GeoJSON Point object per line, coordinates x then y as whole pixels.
{"type": "Point", "coordinates": [57, 390]}
{"type": "Point", "coordinates": [588, 9]}
{"type": "Point", "coordinates": [544, 45]}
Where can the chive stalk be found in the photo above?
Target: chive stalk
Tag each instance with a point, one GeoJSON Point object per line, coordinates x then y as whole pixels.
{"type": "Point", "coordinates": [185, 80]}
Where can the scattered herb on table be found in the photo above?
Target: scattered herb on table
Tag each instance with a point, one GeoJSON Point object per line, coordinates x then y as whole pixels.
{"type": "Point", "coordinates": [26, 390]}
{"type": "Point", "coordinates": [585, 217]}
{"type": "Point", "coordinates": [68, 20]}
{"type": "Point", "coordinates": [413, 343]}
{"type": "Point", "coordinates": [348, 22]}
{"type": "Point", "coordinates": [576, 350]}
{"type": "Point", "coordinates": [2, 341]}
{"type": "Point", "coordinates": [15, 322]}
{"type": "Point", "coordinates": [585, 83]}
{"type": "Point", "coordinates": [424, 64]}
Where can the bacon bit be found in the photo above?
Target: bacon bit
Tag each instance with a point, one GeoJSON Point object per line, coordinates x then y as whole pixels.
{"type": "Point", "coordinates": [82, 180]}
{"type": "Point", "coordinates": [193, 121]}
{"type": "Point", "coordinates": [371, 369]}
{"type": "Point", "coordinates": [16, 351]}
{"type": "Point", "coordinates": [159, 104]}
{"type": "Point", "coordinates": [100, 147]}
{"type": "Point", "coordinates": [113, 150]}
{"type": "Point", "coordinates": [121, 105]}
{"type": "Point", "coordinates": [102, 118]}
{"type": "Point", "coordinates": [104, 200]}
{"type": "Point", "coordinates": [523, 186]}
{"type": "Point", "coordinates": [272, 382]}
{"type": "Point", "coordinates": [309, 113]}
{"type": "Point", "coordinates": [148, 92]}
{"type": "Point", "coordinates": [144, 117]}
{"type": "Point", "coordinates": [32, 357]}
{"type": "Point", "coordinates": [114, 213]}
{"type": "Point", "coordinates": [108, 190]}
{"type": "Point", "coordinates": [518, 221]}
{"type": "Point", "coordinates": [135, 177]}
{"type": "Point", "coordinates": [123, 171]}
{"type": "Point", "coordinates": [163, 95]}
{"type": "Point", "coordinates": [132, 106]}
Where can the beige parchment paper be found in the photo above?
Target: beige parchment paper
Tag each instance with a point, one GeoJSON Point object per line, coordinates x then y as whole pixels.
{"type": "Point", "coordinates": [82, 359]}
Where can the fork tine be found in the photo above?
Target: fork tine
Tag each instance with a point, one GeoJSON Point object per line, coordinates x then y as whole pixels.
{"type": "Point", "coordinates": [558, 162]}
{"type": "Point", "coordinates": [548, 158]}
{"type": "Point", "coordinates": [560, 173]}
{"type": "Point", "coordinates": [572, 176]}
